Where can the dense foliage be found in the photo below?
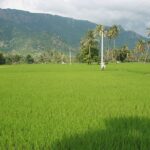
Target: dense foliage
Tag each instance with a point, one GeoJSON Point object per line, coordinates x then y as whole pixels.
{"type": "Point", "coordinates": [41, 57]}
{"type": "Point", "coordinates": [90, 50]}
{"type": "Point", "coordinates": [2, 59]}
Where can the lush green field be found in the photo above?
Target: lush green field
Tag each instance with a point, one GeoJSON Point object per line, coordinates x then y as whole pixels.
{"type": "Point", "coordinates": [73, 107]}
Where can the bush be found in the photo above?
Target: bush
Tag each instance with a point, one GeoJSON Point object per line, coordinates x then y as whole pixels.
{"type": "Point", "coordinates": [29, 59]}
{"type": "Point", "coordinates": [2, 59]}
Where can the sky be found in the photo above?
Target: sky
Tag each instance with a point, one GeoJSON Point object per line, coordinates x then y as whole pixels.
{"type": "Point", "coordinates": [130, 14]}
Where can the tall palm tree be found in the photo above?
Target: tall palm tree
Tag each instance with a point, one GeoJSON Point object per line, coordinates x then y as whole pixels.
{"type": "Point", "coordinates": [99, 32]}
{"type": "Point", "coordinates": [89, 42]}
{"type": "Point", "coordinates": [90, 38]}
{"type": "Point", "coordinates": [148, 42]}
{"type": "Point", "coordinates": [109, 36]}
{"type": "Point", "coordinates": [140, 46]}
{"type": "Point", "coordinates": [70, 56]}
{"type": "Point", "coordinates": [148, 45]}
{"type": "Point", "coordinates": [114, 33]}
{"type": "Point", "coordinates": [148, 49]}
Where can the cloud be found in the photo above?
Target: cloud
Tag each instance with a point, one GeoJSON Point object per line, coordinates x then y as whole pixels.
{"type": "Point", "coordinates": [131, 14]}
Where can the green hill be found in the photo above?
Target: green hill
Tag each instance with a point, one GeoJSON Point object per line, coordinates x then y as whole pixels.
{"type": "Point", "coordinates": [24, 31]}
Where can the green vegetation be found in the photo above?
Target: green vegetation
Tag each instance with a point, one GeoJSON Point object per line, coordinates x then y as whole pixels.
{"type": "Point", "coordinates": [90, 47]}
{"type": "Point", "coordinates": [37, 58]}
{"type": "Point", "coordinates": [71, 107]}
{"type": "Point", "coordinates": [2, 59]}
{"type": "Point", "coordinates": [62, 107]}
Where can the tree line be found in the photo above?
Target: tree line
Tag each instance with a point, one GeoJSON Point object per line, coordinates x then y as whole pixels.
{"type": "Point", "coordinates": [89, 51]}
{"type": "Point", "coordinates": [41, 57]}
{"type": "Point", "coordinates": [90, 45]}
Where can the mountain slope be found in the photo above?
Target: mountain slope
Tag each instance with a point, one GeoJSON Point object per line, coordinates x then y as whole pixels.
{"type": "Point", "coordinates": [25, 31]}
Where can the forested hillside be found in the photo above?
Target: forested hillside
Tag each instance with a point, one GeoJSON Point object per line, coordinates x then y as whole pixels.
{"type": "Point", "coordinates": [24, 32]}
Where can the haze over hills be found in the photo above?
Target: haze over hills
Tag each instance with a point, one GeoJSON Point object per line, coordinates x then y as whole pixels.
{"type": "Point", "coordinates": [24, 31]}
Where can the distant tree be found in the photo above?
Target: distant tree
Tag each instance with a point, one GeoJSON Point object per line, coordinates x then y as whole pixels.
{"type": "Point", "coordinates": [8, 59]}
{"type": "Point", "coordinates": [147, 51]}
{"type": "Point", "coordinates": [13, 58]}
{"type": "Point", "coordinates": [29, 59]}
{"type": "Point", "coordinates": [140, 47]}
{"type": "Point", "coordinates": [141, 44]}
{"type": "Point", "coordinates": [122, 54]}
{"type": "Point", "coordinates": [89, 48]}
{"type": "Point", "coordinates": [2, 59]}
{"type": "Point", "coordinates": [89, 42]}
{"type": "Point", "coordinates": [57, 57]}
{"type": "Point", "coordinates": [16, 58]}
{"type": "Point", "coordinates": [115, 33]}
{"type": "Point", "coordinates": [109, 35]}
{"type": "Point", "coordinates": [44, 57]}
{"type": "Point", "coordinates": [109, 38]}
{"type": "Point", "coordinates": [148, 45]}
{"type": "Point", "coordinates": [112, 33]}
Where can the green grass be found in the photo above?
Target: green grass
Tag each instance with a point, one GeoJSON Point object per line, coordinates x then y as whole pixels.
{"type": "Point", "coordinates": [75, 107]}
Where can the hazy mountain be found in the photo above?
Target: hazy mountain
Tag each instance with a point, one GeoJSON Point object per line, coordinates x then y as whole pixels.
{"type": "Point", "coordinates": [24, 31]}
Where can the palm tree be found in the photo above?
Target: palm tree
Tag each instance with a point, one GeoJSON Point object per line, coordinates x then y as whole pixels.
{"type": "Point", "coordinates": [87, 44]}
{"type": "Point", "coordinates": [70, 56]}
{"type": "Point", "coordinates": [109, 37]}
{"type": "Point", "coordinates": [114, 33]}
{"type": "Point", "coordinates": [99, 32]}
{"type": "Point", "coordinates": [148, 42]}
{"type": "Point", "coordinates": [140, 46]}
{"type": "Point", "coordinates": [148, 49]}
{"type": "Point", "coordinates": [148, 45]}
{"type": "Point", "coordinates": [90, 38]}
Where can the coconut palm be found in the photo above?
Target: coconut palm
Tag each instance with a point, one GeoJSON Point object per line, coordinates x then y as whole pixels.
{"type": "Point", "coordinates": [148, 42]}
{"type": "Point", "coordinates": [148, 49]}
{"type": "Point", "coordinates": [109, 36]}
{"type": "Point", "coordinates": [148, 45]}
{"type": "Point", "coordinates": [140, 47]}
{"type": "Point", "coordinates": [114, 30]}
{"type": "Point", "coordinates": [90, 38]}
{"type": "Point", "coordinates": [70, 56]}
{"type": "Point", "coordinates": [89, 47]}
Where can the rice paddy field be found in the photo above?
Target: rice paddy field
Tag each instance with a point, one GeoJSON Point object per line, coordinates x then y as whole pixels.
{"type": "Point", "coordinates": [75, 107]}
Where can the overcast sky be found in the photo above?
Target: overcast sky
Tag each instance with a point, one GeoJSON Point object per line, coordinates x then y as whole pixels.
{"type": "Point", "coordinates": [131, 14]}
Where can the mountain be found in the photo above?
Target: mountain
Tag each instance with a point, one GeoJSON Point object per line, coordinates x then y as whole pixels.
{"type": "Point", "coordinates": [24, 31]}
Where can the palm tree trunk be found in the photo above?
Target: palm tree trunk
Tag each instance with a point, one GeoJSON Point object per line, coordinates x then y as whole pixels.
{"type": "Point", "coordinates": [147, 53]}
{"type": "Point", "coordinates": [107, 44]}
{"type": "Point", "coordinates": [89, 61]}
{"type": "Point", "coordinates": [114, 43]}
{"type": "Point", "coordinates": [107, 49]}
{"type": "Point", "coordinates": [70, 56]}
{"type": "Point", "coordinates": [102, 66]}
